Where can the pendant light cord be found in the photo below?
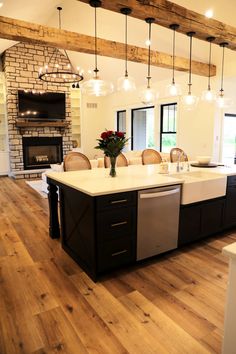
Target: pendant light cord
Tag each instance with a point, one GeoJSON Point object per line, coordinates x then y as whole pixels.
{"type": "Point", "coordinates": [55, 52]}
{"type": "Point", "coordinates": [59, 16]}
{"type": "Point", "coordinates": [149, 56]}
{"type": "Point", "coordinates": [95, 38]}
{"type": "Point", "coordinates": [126, 46]}
{"type": "Point", "coordinates": [222, 70]}
{"type": "Point", "coordinates": [190, 65]}
{"type": "Point", "coordinates": [209, 69]}
{"type": "Point", "coordinates": [173, 59]}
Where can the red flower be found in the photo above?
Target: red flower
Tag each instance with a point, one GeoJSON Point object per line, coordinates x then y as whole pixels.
{"type": "Point", "coordinates": [120, 134]}
{"type": "Point", "coordinates": [111, 142]}
{"type": "Point", "coordinates": [104, 135]}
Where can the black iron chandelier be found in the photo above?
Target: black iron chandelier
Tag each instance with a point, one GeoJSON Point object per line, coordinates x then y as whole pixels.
{"type": "Point", "coordinates": [53, 72]}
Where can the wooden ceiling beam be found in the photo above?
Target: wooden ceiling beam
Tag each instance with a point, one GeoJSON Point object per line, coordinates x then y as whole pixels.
{"type": "Point", "coordinates": [23, 31]}
{"type": "Point", "coordinates": [166, 12]}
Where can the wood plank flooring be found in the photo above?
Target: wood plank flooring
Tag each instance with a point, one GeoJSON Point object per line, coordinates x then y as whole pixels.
{"type": "Point", "coordinates": [171, 304]}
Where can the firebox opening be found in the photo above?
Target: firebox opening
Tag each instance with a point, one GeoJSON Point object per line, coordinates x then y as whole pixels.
{"type": "Point", "coordinates": [40, 152]}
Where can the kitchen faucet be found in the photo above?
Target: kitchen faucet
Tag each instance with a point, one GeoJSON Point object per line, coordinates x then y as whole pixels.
{"type": "Point", "coordinates": [178, 166]}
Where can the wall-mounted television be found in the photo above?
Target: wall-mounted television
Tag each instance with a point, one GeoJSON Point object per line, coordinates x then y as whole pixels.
{"type": "Point", "coordinates": [41, 106]}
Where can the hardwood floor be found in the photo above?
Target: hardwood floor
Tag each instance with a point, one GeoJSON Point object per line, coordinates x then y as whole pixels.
{"type": "Point", "coordinates": [172, 304]}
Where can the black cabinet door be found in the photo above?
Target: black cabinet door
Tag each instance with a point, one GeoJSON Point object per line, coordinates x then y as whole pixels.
{"type": "Point", "coordinates": [230, 206]}
{"type": "Point", "coordinates": [200, 220]}
{"type": "Point", "coordinates": [189, 224]}
{"type": "Point", "coordinates": [212, 217]}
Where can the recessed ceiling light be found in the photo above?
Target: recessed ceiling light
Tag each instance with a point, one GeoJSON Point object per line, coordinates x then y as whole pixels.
{"type": "Point", "coordinates": [209, 13]}
{"type": "Point", "coordinates": [1, 4]}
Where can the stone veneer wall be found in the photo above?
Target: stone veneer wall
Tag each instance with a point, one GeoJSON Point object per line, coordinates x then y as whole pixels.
{"type": "Point", "coordinates": [21, 64]}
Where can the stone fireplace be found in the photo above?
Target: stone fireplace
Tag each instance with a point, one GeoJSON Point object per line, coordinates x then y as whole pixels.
{"type": "Point", "coordinates": [21, 64]}
{"type": "Point", "coordinates": [40, 152]}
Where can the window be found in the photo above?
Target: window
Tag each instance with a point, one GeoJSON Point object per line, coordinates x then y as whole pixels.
{"type": "Point", "coordinates": [120, 121]}
{"type": "Point", "coordinates": [229, 139]}
{"type": "Point", "coordinates": [142, 128]}
{"type": "Point", "coordinates": [168, 127]}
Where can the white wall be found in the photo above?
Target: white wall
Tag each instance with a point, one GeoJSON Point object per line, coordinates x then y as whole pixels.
{"type": "Point", "coordinates": [195, 133]}
{"type": "Point", "coordinates": [93, 122]}
{"type": "Point", "coordinates": [230, 92]}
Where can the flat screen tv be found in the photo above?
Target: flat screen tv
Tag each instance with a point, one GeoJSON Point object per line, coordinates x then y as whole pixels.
{"type": "Point", "coordinates": [41, 106]}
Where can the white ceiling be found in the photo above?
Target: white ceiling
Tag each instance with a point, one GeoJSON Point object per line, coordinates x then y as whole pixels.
{"type": "Point", "coordinates": [79, 17]}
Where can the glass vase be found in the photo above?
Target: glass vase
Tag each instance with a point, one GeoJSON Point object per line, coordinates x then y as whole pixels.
{"type": "Point", "coordinates": [113, 166]}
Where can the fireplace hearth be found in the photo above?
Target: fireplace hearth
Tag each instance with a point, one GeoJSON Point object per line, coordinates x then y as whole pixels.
{"type": "Point", "coordinates": [40, 152]}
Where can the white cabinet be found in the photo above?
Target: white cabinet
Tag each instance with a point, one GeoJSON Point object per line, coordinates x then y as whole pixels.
{"type": "Point", "coordinates": [4, 150]}
{"type": "Point", "coordinates": [75, 118]}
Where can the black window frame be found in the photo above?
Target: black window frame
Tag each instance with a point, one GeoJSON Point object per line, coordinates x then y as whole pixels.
{"type": "Point", "coordinates": [161, 122]}
{"type": "Point", "coordinates": [132, 122]}
{"type": "Point", "coordinates": [229, 115]}
{"type": "Point", "coordinates": [117, 118]}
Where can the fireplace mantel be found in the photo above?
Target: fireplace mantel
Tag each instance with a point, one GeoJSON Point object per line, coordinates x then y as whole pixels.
{"type": "Point", "coordinates": [21, 124]}
{"type": "Point", "coordinates": [27, 124]}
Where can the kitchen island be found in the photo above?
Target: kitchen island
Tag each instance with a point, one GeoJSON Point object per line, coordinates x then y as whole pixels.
{"type": "Point", "coordinates": [98, 213]}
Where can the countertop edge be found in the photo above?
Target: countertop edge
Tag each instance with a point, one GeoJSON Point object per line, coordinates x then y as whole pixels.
{"type": "Point", "coordinates": [119, 190]}
{"type": "Point", "coordinates": [230, 250]}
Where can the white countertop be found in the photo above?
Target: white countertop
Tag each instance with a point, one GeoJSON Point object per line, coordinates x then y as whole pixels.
{"type": "Point", "coordinates": [224, 170]}
{"type": "Point", "coordinates": [97, 181]}
{"type": "Point", "coordinates": [230, 250]}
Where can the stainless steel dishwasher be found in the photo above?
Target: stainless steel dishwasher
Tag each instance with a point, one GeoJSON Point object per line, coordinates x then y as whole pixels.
{"type": "Point", "coordinates": [158, 220]}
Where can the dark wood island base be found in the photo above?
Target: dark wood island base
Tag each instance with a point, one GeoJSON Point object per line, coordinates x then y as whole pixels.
{"type": "Point", "coordinates": [100, 231]}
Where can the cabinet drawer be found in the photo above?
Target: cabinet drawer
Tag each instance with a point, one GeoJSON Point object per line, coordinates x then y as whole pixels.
{"type": "Point", "coordinates": [231, 180]}
{"type": "Point", "coordinates": [115, 253]}
{"type": "Point", "coordinates": [115, 200]}
{"type": "Point", "coordinates": [112, 224]}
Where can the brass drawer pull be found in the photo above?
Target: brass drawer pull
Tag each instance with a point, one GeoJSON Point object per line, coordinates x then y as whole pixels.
{"type": "Point", "coordinates": [119, 201]}
{"type": "Point", "coordinates": [118, 253]}
{"type": "Point", "coordinates": [119, 223]}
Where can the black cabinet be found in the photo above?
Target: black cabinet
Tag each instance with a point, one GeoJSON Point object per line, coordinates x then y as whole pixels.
{"type": "Point", "coordinates": [212, 217]}
{"type": "Point", "coordinates": [98, 232]}
{"type": "Point", "coordinates": [230, 203]}
{"type": "Point", "coordinates": [116, 230]}
{"type": "Point", "coordinates": [189, 223]}
{"type": "Point", "coordinates": [116, 253]}
{"type": "Point", "coordinates": [199, 220]}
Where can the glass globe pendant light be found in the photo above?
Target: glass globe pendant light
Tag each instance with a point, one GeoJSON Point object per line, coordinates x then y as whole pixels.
{"type": "Point", "coordinates": [222, 101]}
{"type": "Point", "coordinates": [126, 82]}
{"type": "Point", "coordinates": [190, 101]}
{"type": "Point", "coordinates": [173, 89]}
{"type": "Point", "coordinates": [149, 95]}
{"type": "Point", "coordinates": [96, 86]}
{"type": "Point", "coordinates": [209, 95]}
